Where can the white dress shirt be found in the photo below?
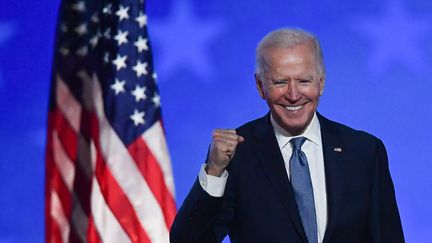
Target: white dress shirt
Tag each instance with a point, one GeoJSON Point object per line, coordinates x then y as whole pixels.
{"type": "Point", "coordinates": [312, 147]}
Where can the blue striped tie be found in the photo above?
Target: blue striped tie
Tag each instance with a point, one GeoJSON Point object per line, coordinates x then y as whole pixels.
{"type": "Point", "coordinates": [303, 191]}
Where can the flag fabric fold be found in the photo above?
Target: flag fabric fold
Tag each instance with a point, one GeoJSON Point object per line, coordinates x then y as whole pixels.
{"type": "Point", "coordinates": [108, 170]}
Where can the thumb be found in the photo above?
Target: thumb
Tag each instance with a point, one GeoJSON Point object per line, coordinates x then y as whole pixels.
{"type": "Point", "coordinates": [240, 139]}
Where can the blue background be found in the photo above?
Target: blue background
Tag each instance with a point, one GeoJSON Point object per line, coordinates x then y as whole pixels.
{"type": "Point", "coordinates": [378, 56]}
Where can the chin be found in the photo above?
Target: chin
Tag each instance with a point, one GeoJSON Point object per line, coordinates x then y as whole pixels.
{"type": "Point", "coordinates": [296, 126]}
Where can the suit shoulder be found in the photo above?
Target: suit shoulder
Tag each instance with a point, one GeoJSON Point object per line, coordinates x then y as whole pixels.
{"type": "Point", "coordinates": [348, 132]}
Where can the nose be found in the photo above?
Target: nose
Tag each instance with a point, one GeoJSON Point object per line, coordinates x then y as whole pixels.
{"type": "Point", "coordinates": [293, 93]}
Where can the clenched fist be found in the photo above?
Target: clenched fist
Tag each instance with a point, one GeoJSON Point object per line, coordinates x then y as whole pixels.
{"type": "Point", "coordinates": [222, 149]}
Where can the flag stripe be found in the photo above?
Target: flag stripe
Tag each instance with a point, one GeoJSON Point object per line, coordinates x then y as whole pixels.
{"type": "Point", "coordinates": [66, 135]}
{"type": "Point", "coordinates": [104, 219]}
{"type": "Point", "coordinates": [155, 140]}
{"type": "Point", "coordinates": [59, 217]}
{"type": "Point", "coordinates": [54, 233]}
{"type": "Point", "coordinates": [92, 234]}
{"type": "Point", "coordinates": [150, 169]}
{"type": "Point", "coordinates": [69, 106]}
{"type": "Point", "coordinates": [63, 163]}
{"type": "Point", "coordinates": [79, 221]}
{"type": "Point", "coordinates": [61, 189]}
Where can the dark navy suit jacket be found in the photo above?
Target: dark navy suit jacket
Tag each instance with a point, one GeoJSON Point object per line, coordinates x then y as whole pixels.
{"type": "Point", "coordinates": [259, 206]}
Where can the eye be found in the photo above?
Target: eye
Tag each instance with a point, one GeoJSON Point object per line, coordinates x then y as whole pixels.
{"type": "Point", "coordinates": [304, 81]}
{"type": "Point", "coordinates": [279, 82]}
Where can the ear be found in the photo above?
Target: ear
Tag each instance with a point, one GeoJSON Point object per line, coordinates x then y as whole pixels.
{"type": "Point", "coordinates": [259, 85]}
{"type": "Point", "coordinates": [321, 82]}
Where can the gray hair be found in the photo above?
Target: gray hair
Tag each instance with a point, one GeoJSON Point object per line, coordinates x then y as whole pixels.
{"type": "Point", "coordinates": [286, 38]}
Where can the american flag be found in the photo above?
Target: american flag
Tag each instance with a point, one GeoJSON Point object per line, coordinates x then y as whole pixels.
{"type": "Point", "coordinates": [108, 171]}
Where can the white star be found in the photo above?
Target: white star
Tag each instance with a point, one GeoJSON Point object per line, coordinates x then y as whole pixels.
{"type": "Point", "coordinates": [95, 18]}
{"type": "Point", "coordinates": [156, 100]}
{"type": "Point", "coordinates": [118, 86]}
{"type": "Point", "coordinates": [141, 44]}
{"type": "Point", "coordinates": [81, 29]}
{"type": "Point", "coordinates": [120, 62]}
{"type": "Point", "coordinates": [140, 68]}
{"type": "Point", "coordinates": [64, 51]}
{"type": "Point", "coordinates": [139, 93]}
{"type": "Point", "coordinates": [107, 33]}
{"type": "Point", "coordinates": [106, 57]}
{"type": "Point", "coordinates": [107, 9]}
{"type": "Point", "coordinates": [141, 19]}
{"type": "Point", "coordinates": [94, 40]}
{"type": "Point", "coordinates": [123, 13]}
{"type": "Point", "coordinates": [82, 51]}
{"type": "Point", "coordinates": [138, 117]}
{"type": "Point", "coordinates": [194, 34]}
{"type": "Point", "coordinates": [406, 48]}
{"type": "Point", "coordinates": [80, 6]}
{"type": "Point", "coordinates": [121, 37]}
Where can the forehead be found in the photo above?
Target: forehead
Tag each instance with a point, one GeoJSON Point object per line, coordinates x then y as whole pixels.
{"type": "Point", "coordinates": [293, 61]}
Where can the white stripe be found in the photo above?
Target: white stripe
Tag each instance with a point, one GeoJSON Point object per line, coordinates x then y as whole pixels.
{"type": "Point", "coordinates": [69, 106]}
{"type": "Point", "coordinates": [63, 163]}
{"type": "Point", "coordinates": [59, 217]}
{"type": "Point", "coordinates": [127, 174]}
{"type": "Point", "coordinates": [110, 231]}
{"type": "Point", "coordinates": [155, 140]}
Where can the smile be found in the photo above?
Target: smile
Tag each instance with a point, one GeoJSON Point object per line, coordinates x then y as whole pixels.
{"type": "Point", "coordinates": [293, 108]}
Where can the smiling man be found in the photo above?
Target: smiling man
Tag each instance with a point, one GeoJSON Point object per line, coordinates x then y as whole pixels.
{"type": "Point", "coordinates": [292, 175]}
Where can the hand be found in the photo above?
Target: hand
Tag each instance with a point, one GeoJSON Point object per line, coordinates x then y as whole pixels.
{"type": "Point", "coordinates": [222, 150]}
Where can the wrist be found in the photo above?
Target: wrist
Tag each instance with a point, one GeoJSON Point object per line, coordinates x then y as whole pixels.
{"type": "Point", "coordinates": [210, 169]}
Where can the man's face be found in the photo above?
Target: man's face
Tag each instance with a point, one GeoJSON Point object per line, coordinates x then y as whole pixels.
{"type": "Point", "coordinates": [292, 86]}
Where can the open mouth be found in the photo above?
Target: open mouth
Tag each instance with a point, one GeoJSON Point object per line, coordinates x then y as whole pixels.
{"type": "Point", "coordinates": [293, 108]}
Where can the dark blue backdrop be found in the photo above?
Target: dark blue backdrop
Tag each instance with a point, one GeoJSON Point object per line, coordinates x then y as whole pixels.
{"type": "Point", "coordinates": [378, 56]}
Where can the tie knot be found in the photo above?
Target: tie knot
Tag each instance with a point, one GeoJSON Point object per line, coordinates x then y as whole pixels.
{"type": "Point", "coordinates": [297, 142]}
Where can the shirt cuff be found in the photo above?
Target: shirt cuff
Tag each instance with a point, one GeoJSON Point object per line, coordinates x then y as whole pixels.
{"type": "Point", "coordinates": [213, 185]}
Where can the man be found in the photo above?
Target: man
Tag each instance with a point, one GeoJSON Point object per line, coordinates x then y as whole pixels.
{"type": "Point", "coordinates": [292, 175]}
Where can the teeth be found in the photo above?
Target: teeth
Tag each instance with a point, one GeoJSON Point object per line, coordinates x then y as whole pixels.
{"type": "Point", "coordinates": [293, 108]}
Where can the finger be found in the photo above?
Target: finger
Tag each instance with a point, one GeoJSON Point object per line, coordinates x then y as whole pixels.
{"type": "Point", "coordinates": [226, 142]}
{"type": "Point", "coordinates": [225, 145]}
{"type": "Point", "coordinates": [221, 130]}
{"type": "Point", "coordinates": [225, 135]}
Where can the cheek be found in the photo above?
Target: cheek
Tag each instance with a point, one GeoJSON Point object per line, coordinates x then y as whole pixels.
{"type": "Point", "coordinates": [312, 93]}
{"type": "Point", "coordinates": [273, 94]}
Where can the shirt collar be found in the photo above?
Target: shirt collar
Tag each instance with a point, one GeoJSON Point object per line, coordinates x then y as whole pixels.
{"type": "Point", "coordinates": [312, 132]}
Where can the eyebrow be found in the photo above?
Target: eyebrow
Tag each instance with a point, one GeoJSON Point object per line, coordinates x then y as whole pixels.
{"type": "Point", "coordinates": [309, 77]}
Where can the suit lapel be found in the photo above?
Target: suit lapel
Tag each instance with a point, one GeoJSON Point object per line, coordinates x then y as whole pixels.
{"type": "Point", "coordinates": [273, 166]}
{"type": "Point", "coordinates": [334, 156]}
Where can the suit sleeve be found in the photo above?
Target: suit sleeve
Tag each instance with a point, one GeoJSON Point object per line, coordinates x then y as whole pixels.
{"type": "Point", "coordinates": [203, 218]}
{"type": "Point", "coordinates": [385, 220]}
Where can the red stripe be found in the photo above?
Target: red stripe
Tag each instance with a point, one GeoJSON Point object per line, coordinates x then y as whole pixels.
{"type": "Point", "coordinates": [92, 233]}
{"type": "Point", "coordinates": [54, 181]}
{"type": "Point", "coordinates": [55, 236]}
{"type": "Point", "coordinates": [151, 171]}
{"type": "Point", "coordinates": [63, 193]}
{"type": "Point", "coordinates": [67, 135]}
{"type": "Point", "coordinates": [115, 197]}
